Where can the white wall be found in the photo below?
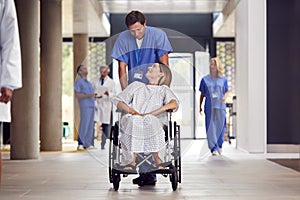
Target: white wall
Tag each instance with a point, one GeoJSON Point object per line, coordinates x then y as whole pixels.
{"type": "Point", "coordinates": [251, 75]}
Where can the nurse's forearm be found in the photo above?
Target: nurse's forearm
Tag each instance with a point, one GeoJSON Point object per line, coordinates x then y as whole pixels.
{"type": "Point", "coordinates": [164, 59]}
{"type": "Point", "coordinates": [123, 81]}
{"type": "Point", "coordinates": [201, 99]}
{"type": "Point", "coordinates": [225, 96]}
{"type": "Point", "coordinates": [83, 96]}
{"type": "Point", "coordinates": [123, 75]}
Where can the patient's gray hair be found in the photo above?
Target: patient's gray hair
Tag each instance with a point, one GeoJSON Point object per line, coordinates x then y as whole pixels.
{"type": "Point", "coordinates": [167, 77]}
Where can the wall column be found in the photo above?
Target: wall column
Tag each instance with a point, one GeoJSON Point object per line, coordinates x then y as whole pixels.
{"type": "Point", "coordinates": [25, 106]}
{"type": "Point", "coordinates": [251, 75]}
{"type": "Point", "coordinates": [51, 75]}
{"type": "Point", "coordinates": [80, 48]}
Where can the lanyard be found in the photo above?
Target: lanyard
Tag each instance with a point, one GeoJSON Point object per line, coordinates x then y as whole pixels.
{"type": "Point", "coordinates": [137, 52]}
{"type": "Point", "coordinates": [215, 84]}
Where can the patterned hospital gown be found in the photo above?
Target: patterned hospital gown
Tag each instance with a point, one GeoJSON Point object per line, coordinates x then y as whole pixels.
{"type": "Point", "coordinates": [144, 134]}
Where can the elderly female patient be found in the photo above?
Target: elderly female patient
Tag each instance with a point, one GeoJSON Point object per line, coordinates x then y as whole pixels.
{"type": "Point", "coordinates": [144, 106]}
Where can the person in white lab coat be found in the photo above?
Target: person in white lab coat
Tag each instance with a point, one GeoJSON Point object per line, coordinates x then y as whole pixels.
{"type": "Point", "coordinates": [105, 89]}
{"type": "Point", "coordinates": [10, 53]}
{"type": "Point", "coordinates": [10, 59]}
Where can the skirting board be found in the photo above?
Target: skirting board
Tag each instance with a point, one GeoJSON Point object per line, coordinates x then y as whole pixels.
{"type": "Point", "coordinates": [283, 148]}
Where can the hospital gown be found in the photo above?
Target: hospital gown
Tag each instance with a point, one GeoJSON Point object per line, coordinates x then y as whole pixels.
{"type": "Point", "coordinates": [144, 133]}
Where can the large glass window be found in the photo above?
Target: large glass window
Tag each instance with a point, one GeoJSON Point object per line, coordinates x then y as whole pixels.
{"type": "Point", "coordinates": [67, 86]}
{"type": "Point", "coordinates": [201, 69]}
{"type": "Point", "coordinates": [181, 65]}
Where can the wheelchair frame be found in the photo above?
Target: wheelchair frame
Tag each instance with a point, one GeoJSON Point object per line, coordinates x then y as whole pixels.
{"type": "Point", "coordinates": [172, 168]}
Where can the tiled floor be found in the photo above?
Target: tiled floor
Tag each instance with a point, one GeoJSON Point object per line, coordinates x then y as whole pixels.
{"type": "Point", "coordinates": [75, 175]}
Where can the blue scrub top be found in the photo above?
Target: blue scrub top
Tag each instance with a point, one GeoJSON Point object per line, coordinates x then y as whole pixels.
{"type": "Point", "coordinates": [85, 87]}
{"type": "Point", "coordinates": [213, 90]}
{"type": "Point", "coordinates": [155, 44]}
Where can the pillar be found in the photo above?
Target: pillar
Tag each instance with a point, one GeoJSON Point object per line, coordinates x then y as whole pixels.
{"type": "Point", "coordinates": [51, 75]}
{"type": "Point", "coordinates": [25, 105]}
{"type": "Point", "coordinates": [251, 82]}
{"type": "Point", "coordinates": [80, 48]}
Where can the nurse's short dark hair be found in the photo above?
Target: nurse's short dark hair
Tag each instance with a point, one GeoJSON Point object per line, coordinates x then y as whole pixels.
{"type": "Point", "coordinates": [78, 68]}
{"type": "Point", "coordinates": [134, 17]}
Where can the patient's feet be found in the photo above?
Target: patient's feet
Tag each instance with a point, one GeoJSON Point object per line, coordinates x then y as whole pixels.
{"type": "Point", "coordinates": [130, 166]}
{"type": "Point", "coordinates": [158, 161]}
{"type": "Point", "coordinates": [160, 166]}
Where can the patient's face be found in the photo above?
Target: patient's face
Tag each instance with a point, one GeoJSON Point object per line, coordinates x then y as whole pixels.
{"type": "Point", "coordinates": [153, 73]}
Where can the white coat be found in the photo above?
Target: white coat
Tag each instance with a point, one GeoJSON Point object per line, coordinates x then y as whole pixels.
{"type": "Point", "coordinates": [10, 53]}
{"type": "Point", "coordinates": [103, 106]}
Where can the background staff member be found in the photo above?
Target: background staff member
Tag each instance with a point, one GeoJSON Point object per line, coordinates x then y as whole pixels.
{"type": "Point", "coordinates": [105, 89]}
{"type": "Point", "coordinates": [10, 60]}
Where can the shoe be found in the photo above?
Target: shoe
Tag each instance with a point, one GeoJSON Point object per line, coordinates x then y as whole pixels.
{"type": "Point", "coordinates": [102, 147]}
{"type": "Point", "coordinates": [80, 147]}
{"type": "Point", "coordinates": [129, 167]}
{"type": "Point", "coordinates": [220, 151]}
{"type": "Point", "coordinates": [91, 148]}
{"type": "Point", "coordinates": [214, 153]}
{"type": "Point", "coordinates": [149, 179]}
{"type": "Point", "coordinates": [144, 179]}
{"type": "Point", "coordinates": [136, 180]}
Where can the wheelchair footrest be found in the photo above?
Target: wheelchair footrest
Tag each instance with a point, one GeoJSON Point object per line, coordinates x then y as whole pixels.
{"type": "Point", "coordinates": [120, 170]}
{"type": "Point", "coordinates": [163, 171]}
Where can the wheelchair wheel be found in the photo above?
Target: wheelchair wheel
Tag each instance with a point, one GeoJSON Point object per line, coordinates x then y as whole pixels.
{"type": "Point", "coordinates": [111, 157]}
{"type": "Point", "coordinates": [116, 181]}
{"type": "Point", "coordinates": [115, 134]}
{"type": "Point", "coordinates": [174, 180]}
{"type": "Point", "coordinates": [177, 150]}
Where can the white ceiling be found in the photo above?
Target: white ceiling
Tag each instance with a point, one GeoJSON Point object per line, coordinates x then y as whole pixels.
{"type": "Point", "coordinates": [88, 16]}
{"type": "Point", "coordinates": [163, 6]}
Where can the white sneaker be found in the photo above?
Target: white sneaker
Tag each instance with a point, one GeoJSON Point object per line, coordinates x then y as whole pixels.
{"type": "Point", "coordinates": [80, 147]}
{"type": "Point", "coordinates": [91, 148]}
{"type": "Point", "coordinates": [214, 153]}
{"type": "Point", "coordinates": [220, 151]}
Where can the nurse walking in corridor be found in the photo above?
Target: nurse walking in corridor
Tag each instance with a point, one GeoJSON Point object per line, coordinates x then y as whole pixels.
{"type": "Point", "coordinates": [214, 88]}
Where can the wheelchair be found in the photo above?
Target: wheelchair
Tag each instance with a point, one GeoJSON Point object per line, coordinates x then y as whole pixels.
{"type": "Point", "coordinates": [171, 160]}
